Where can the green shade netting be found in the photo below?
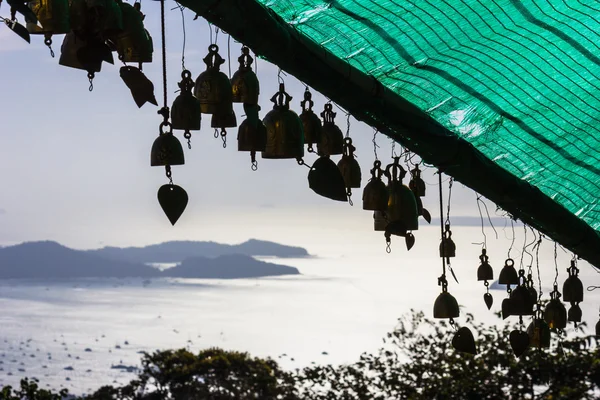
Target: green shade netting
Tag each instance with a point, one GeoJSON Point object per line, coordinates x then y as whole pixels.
{"type": "Point", "coordinates": [517, 79]}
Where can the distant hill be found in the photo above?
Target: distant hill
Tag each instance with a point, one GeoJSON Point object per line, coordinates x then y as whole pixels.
{"type": "Point", "coordinates": [177, 251]}
{"type": "Point", "coordinates": [50, 260]}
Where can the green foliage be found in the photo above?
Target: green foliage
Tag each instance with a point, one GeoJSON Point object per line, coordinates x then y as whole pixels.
{"type": "Point", "coordinates": [30, 390]}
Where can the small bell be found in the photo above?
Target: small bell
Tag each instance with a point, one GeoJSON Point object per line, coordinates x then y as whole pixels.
{"type": "Point", "coordinates": [416, 184]}
{"type": "Point", "coordinates": [349, 167]}
{"type": "Point", "coordinates": [332, 139]}
{"type": "Point", "coordinates": [574, 314]}
{"type": "Point", "coordinates": [326, 180]}
{"type": "Point", "coordinates": [133, 43]}
{"type": "Point", "coordinates": [166, 149]}
{"type": "Point", "coordinates": [533, 294]}
{"type": "Point", "coordinates": [445, 306]}
{"type": "Point", "coordinates": [375, 194]}
{"type": "Point", "coordinates": [522, 304]}
{"type": "Point", "coordinates": [380, 220]}
{"type": "Point", "coordinates": [402, 205]}
{"type": "Point", "coordinates": [285, 136]}
{"type": "Point", "coordinates": [244, 83]}
{"type": "Point", "coordinates": [464, 341]}
{"type": "Point", "coordinates": [213, 87]}
{"type": "Point", "coordinates": [52, 15]}
{"type": "Point", "coordinates": [555, 313]}
{"type": "Point", "coordinates": [538, 331]}
{"type": "Point", "coordinates": [185, 112]}
{"type": "Point", "coordinates": [573, 288]}
{"type": "Point", "coordinates": [485, 271]}
{"type": "Point", "coordinates": [508, 274]}
{"type": "Point", "coordinates": [224, 120]}
{"type": "Point", "coordinates": [252, 133]}
{"type": "Point", "coordinates": [310, 121]}
{"type": "Point", "coordinates": [447, 246]}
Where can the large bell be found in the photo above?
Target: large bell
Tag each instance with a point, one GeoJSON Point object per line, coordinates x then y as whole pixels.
{"type": "Point", "coordinates": [555, 313]}
{"type": "Point", "coordinates": [104, 17]}
{"type": "Point", "coordinates": [380, 220]}
{"type": "Point", "coordinates": [539, 334]}
{"type": "Point", "coordinates": [485, 271]}
{"type": "Point", "coordinates": [166, 150]}
{"type": "Point", "coordinates": [573, 287]}
{"type": "Point", "coordinates": [349, 167]}
{"type": "Point", "coordinates": [402, 205]}
{"type": "Point", "coordinates": [375, 194]}
{"type": "Point", "coordinates": [53, 16]}
{"type": "Point", "coordinates": [508, 274]}
{"type": "Point", "coordinates": [70, 52]}
{"type": "Point", "coordinates": [213, 87]}
{"type": "Point", "coordinates": [133, 43]}
{"type": "Point", "coordinates": [310, 121]}
{"type": "Point", "coordinates": [185, 112]}
{"type": "Point", "coordinates": [416, 184]}
{"type": "Point", "coordinates": [332, 138]}
{"type": "Point", "coordinates": [252, 133]}
{"type": "Point", "coordinates": [445, 306]}
{"type": "Point", "coordinates": [244, 83]}
{"type": "Point", "coordinates": [285, 136]}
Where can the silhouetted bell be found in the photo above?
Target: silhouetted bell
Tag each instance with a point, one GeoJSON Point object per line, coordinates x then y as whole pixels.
{"type": "Point", "coordinates": [244, 83]}
{"type": "Point", "coordinates": [331, 141]}
{"type": "Point", "coordinates": [375, 195]}
{"type": "Point", "coordinates": [485, 271]}
{"type": "Point", "coordinates": [539, 334]}
{"type": "Point", "coordinates": [402, 205]}
{"type": "Point", "coordinates": [71, 49]}
{"type": "Point", "coordinates": [252, 133]}
{"type": "Point", "coordinates": [522, 303]}
{"type": "Point", "coordinates": [380, 220]}
{"type": "Point", "coordinates": [574, 314]}
{"type": "Point", "coordinates": [285, 136]}
{"type": "Point", "coordinates": [310, 121]}
{"type": "Point", "coordinates": [349, 167]}
{"type": "Point", "coordinates": [508, 274]}
{"type": "Point", "coordinates": [213, 87]}
{"type": "Point", "coordinates": [325, 179]}
{"type": "Point", "coordinates": [133, 43]}
{"type": "Point", "coordinates": [573, 288]}
{"type": "Point", "coordinates": [185, 112]}
{"type": "Point", "coordinates": [555, 313]}
{"type": "Point", "coordinates": [104, 17]}
{"type": "Point", "coordinates": [224, 120]}
{"type": "Point", "coordinates": [445, 306]}
{"type": "Point", "coordinates": [416, 184]}
{"type": "Point", "coordinates": [53, 16]}
{"type": "Point", "coordinates": [464, 341]}
{"type": "Point", "coordinates": [447, 246]}
{"type": "Point", "coordinates": [166, 150]}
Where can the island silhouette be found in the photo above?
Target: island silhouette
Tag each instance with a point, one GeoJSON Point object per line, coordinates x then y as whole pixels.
{"type": "Point", "coordinates": [202, 260]}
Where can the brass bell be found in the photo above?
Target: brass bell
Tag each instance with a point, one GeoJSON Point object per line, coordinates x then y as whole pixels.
{"type": "Point", "coordinates": [402, 205]}
{"type": "Point", "coordinates": [445, 306]}
{"type": "Point", "coordinates": [573, 288]}
{"type": "Point", "coordinates": [539, 333]}
{"type": "Point", "coordinates": [166, 149]}
{"type": "Point", "coordinates": [133, 43]}
{"type": "Point", "coordinates": [244, 83]}
{"type": "Point", "coordinates": [574, 314]}
{"type": "Point", "coordinates": [185, 112]}
{"type": "Point", "coordinates": [447, 246]}
{"type": "Point", "coordinates": [252, 133]}
{"type": "Point", "coordinates": [485, 271]}
{"type": "Point", "coordinates": [555, 313]}
{"type": "Point", "coordinates": [508, 274]}
{"type": "Point", "coordinates": [224, 120]}
{"type": "Point", "coordinates": [104, 17]}
{"type": "Point", "coordinates": [380, 220]}
{"type": "Point", "coordinates": [464, 341]}
{"type": "Point", "coordinates": [53, 16]}
{"type": "Point", "coordinates": [375, 194]}
{"type": "Point", "coordinates": [522, 304]}
{"type": "Point", "coordinates": [213, 87]}
{"type": "Point", "coordinates": [310, 121]}
{"type": "Point", "coordinates": [332, 139]}
{"type": "Point", "coordinates": [349, 167]}
{"type": "Point", "coordinates": [416, 184]}
{"type": "Point", "coordinates": [285, 136]}
{"type": "Point", "coordinates": [70, 51]}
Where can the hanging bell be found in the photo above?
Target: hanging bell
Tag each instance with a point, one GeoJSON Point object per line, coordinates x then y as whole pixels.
{"type": "Point", "coordinates": [104, 17]}
{"type": "Point", "coordinates": [375, 194]}
{"type": "Point", "coordinates": [416, 184]}
{"type": "Point", "coordinates": [332, 139]}
{"type": "Point", "coordinates": [349, 167]}
{"type": "Point", "coordinates": [574, 314]}
{"type": "Point", "coordinates": [521, 302]}
{"type": "Point", "coordinates": [166, 149]}
{"type": "Point", "coordinates": [185, 112]}
{"type": "Point", "coordinates": [213, 87]}
{"type": "Point", "coordinates": [71, 49]}
{"type": "Point", "coordinates": [445, 306]}
{"type": "Point", "coordinates": [532, 292]}
{"type": "Point", "coordinates": [539, 333]}
{"type": "Point", "coordinates": [447, 246]}
{"type": "Point", "coordinates": [485, 271]}
{"type": "Point", "coordinates": [224, 120]}
{"type": "Point", "coordinates": [310, 121]}
{"type": "Point", "coordinates": [555, 313]}
{"type": "Point", "coordinates": [380, 220]}
{"type": "Point", "coordinates": [244, 83]}
{"type": "Point", "coordinates": [285, 136]}
{"type": "Point", "coordinates": [52, 15]}
{"type": "Point", "coordinates": [402, 205]}
{"type": "Point", "coordinates": [464, 341]}
{"type": "Point", "coordinates": [252, 133]}
{"type": "Point", "coordinates": [508, 274]}
{"type": "Point", "coordinates": [573, 288]}
{"type": "Point", "coordinates": [133, 43]}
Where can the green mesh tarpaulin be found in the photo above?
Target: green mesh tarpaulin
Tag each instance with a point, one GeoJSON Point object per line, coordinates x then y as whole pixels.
{"type": "Point", "coordinates": [515, 79]}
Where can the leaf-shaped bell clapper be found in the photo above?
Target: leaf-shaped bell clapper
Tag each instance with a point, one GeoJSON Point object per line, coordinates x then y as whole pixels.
{"type": "Point", "coordinates": [375, 194]}
{"type": "Point", "coordinates": [447, 245]}
{"type": "Point", "coordinates": [555, 313]}
{"type": "Point", "coordinates": [213, 87]}
{"type": "Point", "coordinates": [508, 274]}
{"type": "Point", "coordinates": [349, 167]}
{"type": "Point", "coordinates": [445, 306]}
{"type": "Point", "coordinates": [285, 134]}
{"type": "Point", "coordinates": [185, 112]}
{"type": "Point", "coordinates": [166, 149]}
{"type": "Point", "coordinates": [484, 271]}
{"type": "Point", "coordinates": [52, 15]}
{"type": "Point", "coordinates": [142, 88]}
{"type": "Point", "coordinates": [464, 341]}
{"type": "Point", "coordinates": [422, 211]}
{"type": "Point", "coordinates": [310, 121]}
{"type": "Point", "coordinates": [539, 333]}
{"type": "Point", "coordinates": [331, 141]}
{"type": "Point", "coordinates": [104, 17]}
{"type": "Point", "coordinates": [325, 179]}
{"type": "Point", "coordinates": [244, 83]}
{"type": "Point", "coordinates": [416, 184]}
{"type": "Point", "coordinates": [134, 43]}
{"type": "Point", "coordinates": [402, 205]}
{"type": "Point", "coordinates": [574, 314]}
{"type": "Point", "coordinates": [573, 287]}
{"type": "Point", "coordinates": [380, 220]}
{"type": "Point", "coordinates": [17, 28]}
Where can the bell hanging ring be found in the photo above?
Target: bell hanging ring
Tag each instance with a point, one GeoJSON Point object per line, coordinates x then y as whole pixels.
{"type": "Point", "coordinates": [52, 15]}
{"type": "Point", "coordinates": [402, 205]}
{"type": "Point", "coordinates": [573, 287]}
{"type": "Point", "coordinates": [375, 193]}
{"type": "Point", "coordinates": [447, 246]}
{"type": "Point", "coordinates": [332, 138]}
{"type": "Point", "coordinates": [213, 87]}
{"type": "Point", "coordinates": [166, 149]}
{"type": "Point", "coordinates": [310, 121]}
{"type": "Point", "coordinates": [285, 135]}
{"type": "Point", "coordinates": [133, 43]}
{"type": "Point", "coordinates": [349, 167]}
{"type": "Point", "coordinates": [244, 82]}
{"type": "Point", "coordinates": [185, 112]}
{"type": "Point", "coordinates": [416, 184]}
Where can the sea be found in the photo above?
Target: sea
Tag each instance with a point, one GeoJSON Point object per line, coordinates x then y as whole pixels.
{"type": "Point", "coordinates": [86, 333]}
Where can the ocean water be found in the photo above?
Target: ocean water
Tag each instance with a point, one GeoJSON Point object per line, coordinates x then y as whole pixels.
{"type": "Point", "coordinates": [83, 334]}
